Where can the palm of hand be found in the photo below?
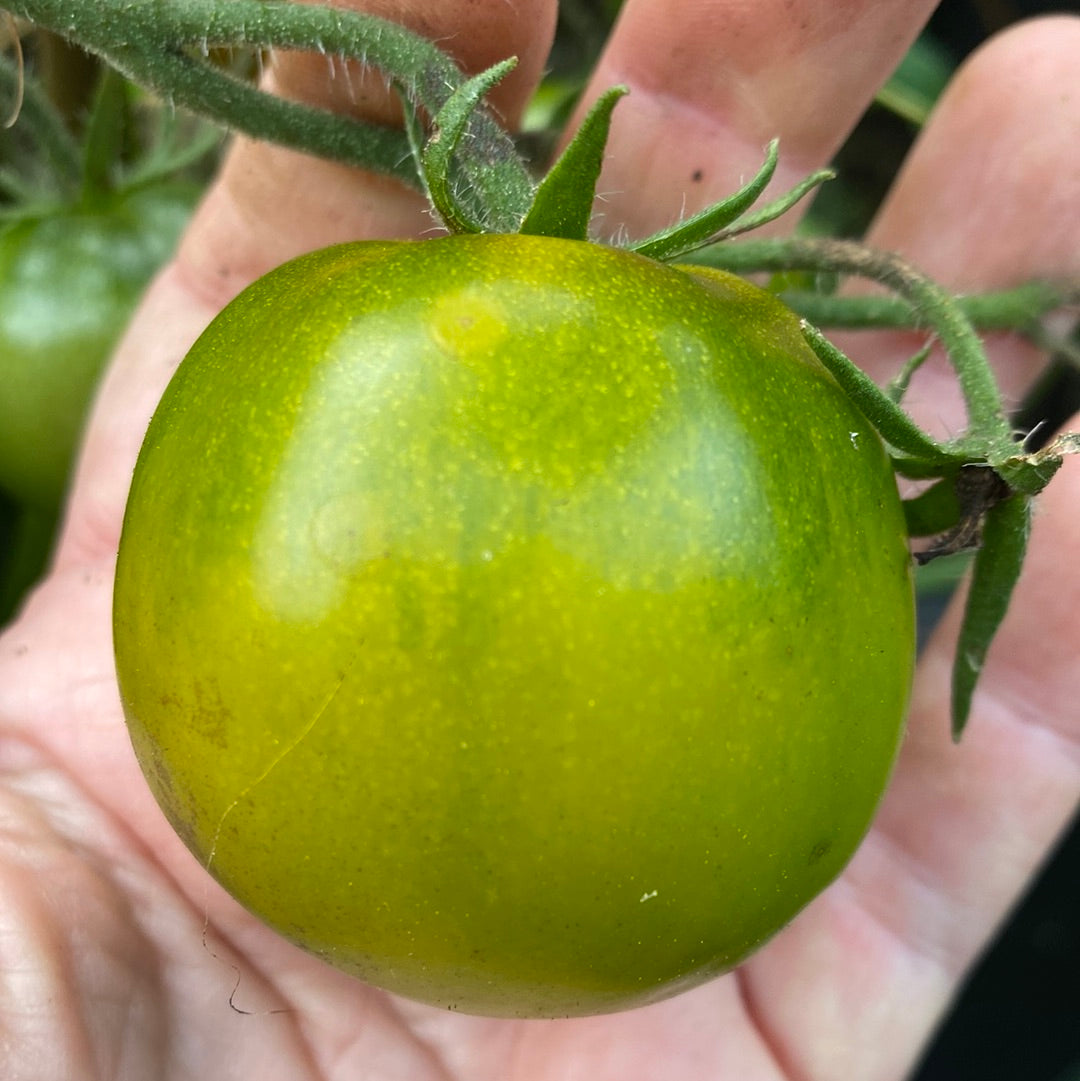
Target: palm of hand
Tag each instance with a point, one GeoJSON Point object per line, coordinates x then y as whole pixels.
{"type": "Point", "coordinates": [120, 956]}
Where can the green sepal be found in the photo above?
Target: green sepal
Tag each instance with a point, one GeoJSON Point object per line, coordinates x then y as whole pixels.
{"type": "Point", "coordinates": [898, 387]}
{"type": "Point", "coordinates": [562, 204]}
{"type": "Point", "coordinates": [935, 510]}
{"type": "Point", "coordinates": [437, 159]}
{"type": "Point", "coordinates": [891, 422]}
{"type": "Point", "coordinates": [914, 468]}
{"type": "Point", "coordinates": [747, 223]}
{"type": "Point", "coordinates": [995, 572]}
{"type": "Point", "coordinates": [702, 228]}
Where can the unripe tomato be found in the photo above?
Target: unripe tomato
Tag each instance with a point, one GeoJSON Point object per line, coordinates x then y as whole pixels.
{"type": "Point", "coordinates": [69, 280]}
{"type": "Point", "coordinates": [519, 624]}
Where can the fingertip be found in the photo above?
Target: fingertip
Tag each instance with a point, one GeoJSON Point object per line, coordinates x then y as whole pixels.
{"type": "Point", "coordinates": [988, 198]}
{"type": "Point", "coordinates": [989, 194]}
{"type": "Point", "coordinates": [712, 84]}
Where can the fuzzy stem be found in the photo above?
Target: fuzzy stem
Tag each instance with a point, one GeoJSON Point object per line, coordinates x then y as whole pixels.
{"type": "Point", "coordinates": [164, 44]}
{"type": "Point", "coordinates": [1019, 308]}
{"type": "Point", "coordinates": [988, 426]}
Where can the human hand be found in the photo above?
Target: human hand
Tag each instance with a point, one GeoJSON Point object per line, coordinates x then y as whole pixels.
{"type": "Point", "coordinates": [118, 955]}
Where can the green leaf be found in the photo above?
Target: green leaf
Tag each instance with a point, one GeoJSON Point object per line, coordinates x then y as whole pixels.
{"type": "Point", "coordinates": [995, 573]}
{"type": "Point", "coordinates": [562, 204]}
{"type": "Point", "coordinates": [437, 157]}
{"type": "Point", "coordinates": [703, 227]}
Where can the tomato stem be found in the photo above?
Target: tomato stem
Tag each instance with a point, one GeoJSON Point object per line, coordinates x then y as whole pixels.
{"type": "Point", "coordinates": [989, 432]}
{"type": "Point", "coordinates": [167, 47]}
{"type": "Point", "coordinates": [1019, 308]}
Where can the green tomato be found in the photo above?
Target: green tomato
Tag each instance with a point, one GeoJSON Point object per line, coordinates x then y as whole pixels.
{"type": "Point", "coordinates": [518, 624]}
{"type": "Point", "coordinates": [69, 280]}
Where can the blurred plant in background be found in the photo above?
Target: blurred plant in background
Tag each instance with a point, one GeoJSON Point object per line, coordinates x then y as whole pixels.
{"type": "Point", "coordinates": [96, 183]}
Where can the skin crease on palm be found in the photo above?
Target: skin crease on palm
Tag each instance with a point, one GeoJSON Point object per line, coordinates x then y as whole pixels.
{"type": "Point", "coordinates": [118, 955]}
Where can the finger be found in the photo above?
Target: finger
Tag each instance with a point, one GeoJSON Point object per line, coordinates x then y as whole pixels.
{"type": "Point", "coordinates": [961, 829]}
{"type": "Point", "coordinates": [267, 205]}
{"type": "Point", "coordinates": [988, 199]}
{"type": "Point", "coordinates": [712, 81]}
{"type": "Point", "coordinates": [856, 985]}
{"type": "Point", "coordinates": [977, 820]}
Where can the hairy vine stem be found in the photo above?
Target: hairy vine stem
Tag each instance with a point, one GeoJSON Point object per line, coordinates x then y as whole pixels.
{"type": "Point", "coordinates": [1019, 308]}
{"type": "Point", "coordinates": [933, 307]}
{"type": "Point", "coordinates": [166, 45]}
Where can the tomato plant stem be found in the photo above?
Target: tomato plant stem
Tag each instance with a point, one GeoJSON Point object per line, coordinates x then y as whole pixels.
{"type": "Point", "coordinates": [988, 427]}
{"type": "Point", "coordinates": [167, 47]}
{"type": "Point", "coordinates": [1019, 308]}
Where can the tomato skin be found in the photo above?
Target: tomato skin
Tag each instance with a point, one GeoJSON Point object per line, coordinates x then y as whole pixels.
{"type": "Point", "coordinates": [518, 624]}
{"type": "Point", "coordinates": [69, 281]}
